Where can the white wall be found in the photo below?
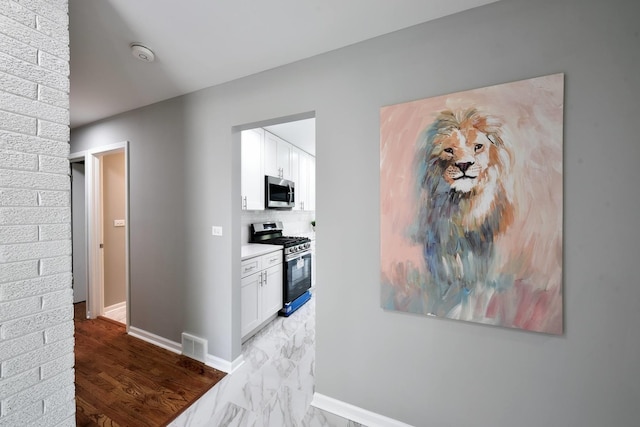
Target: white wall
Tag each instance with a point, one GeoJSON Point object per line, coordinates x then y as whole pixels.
{"type": "Point", "coordinates": [185, 173]}
{"type": "Point", "coordinates": [36, 311]}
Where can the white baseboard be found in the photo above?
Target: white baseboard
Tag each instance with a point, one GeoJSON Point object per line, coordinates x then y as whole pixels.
{"type": "Point", "coordinates": [212, 361]}
{"type": "Point", "coordinates": [224, 365]}
{"type": "Point", "coordinates": [117, 312]}
{"type": "Point", "coordinates": [354, 413]}
{"type": "Point", "coordinates": [155, 340]}
{"type": "Point", "coordinates": [116, 307]}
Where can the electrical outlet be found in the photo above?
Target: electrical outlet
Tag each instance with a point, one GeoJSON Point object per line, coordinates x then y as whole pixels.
{"type": "Point", "coordinates": [216, 231]}
{"type": "Point", "coordinates": [118, 222]}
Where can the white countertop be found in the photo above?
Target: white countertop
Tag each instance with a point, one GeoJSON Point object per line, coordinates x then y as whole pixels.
{"type": "Point", "coordinates": [256, 249]}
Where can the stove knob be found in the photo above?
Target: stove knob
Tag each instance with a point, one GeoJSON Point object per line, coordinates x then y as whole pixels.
{"type": "Point", "coordinates": [294, 249]}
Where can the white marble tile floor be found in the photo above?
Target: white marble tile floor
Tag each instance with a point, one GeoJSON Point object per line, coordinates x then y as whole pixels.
{"type": "Point", "coordinates": [275, 385]}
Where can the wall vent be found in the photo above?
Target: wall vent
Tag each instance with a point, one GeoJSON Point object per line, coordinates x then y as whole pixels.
{"type": "Point", "coordinates": [194, 347]}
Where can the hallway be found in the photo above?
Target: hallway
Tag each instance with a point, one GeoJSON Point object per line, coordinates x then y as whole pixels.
{"type": "Point", "coordinates": [275, 385]}
{"type": "Point", "coordinates": [122, 380]}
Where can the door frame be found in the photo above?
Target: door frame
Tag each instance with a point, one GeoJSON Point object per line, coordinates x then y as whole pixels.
{"type": "Point", "coordinates": [78, 234]}
{"type": "Point", "coordinates": [93, 224]}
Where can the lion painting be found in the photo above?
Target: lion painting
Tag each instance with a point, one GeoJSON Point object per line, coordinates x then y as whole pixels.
{"type": "Point", "coordinates": [471, 198]}
{"type": "Point", "coordinates": [463, 166]}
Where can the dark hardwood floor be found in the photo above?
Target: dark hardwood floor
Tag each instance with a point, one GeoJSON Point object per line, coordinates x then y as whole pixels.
{"type": "Point", "coordinates": [124, 381]}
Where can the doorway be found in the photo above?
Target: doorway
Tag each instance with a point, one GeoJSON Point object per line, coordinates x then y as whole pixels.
{"type": "Point", "coordinates": [100, 227]}
{"type": "Point", "coordinates": [279, 150]}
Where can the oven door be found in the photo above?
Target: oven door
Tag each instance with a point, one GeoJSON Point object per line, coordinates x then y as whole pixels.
{"type": "Point", "coordinates": [297, 275]}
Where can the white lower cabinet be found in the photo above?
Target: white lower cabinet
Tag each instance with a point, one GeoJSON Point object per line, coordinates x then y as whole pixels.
{"type": "Point", "coordinates": [261, 290]}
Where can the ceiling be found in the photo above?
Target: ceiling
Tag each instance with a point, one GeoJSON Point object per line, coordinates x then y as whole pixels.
{"type": "Point", "coordinates": [301, 133]}
{"type": "Point", "coordinates": [201, 43]}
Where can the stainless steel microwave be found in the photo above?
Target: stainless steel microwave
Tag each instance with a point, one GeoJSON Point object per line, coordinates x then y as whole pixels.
{"type": "Point", "coordinates": [279, 193]}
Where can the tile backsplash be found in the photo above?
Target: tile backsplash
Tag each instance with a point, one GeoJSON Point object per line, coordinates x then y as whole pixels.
{"type": "Point", "coordinates": [295, 223]}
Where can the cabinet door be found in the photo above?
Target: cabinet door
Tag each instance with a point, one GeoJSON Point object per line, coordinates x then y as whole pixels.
{"type": "Point", "coordinates": [252, 169]}
{"type": "Point", "coordinates": [311, 184]}
{"type": "Point", "coordinates": [271, 259]}
{"type": "Point", "coordinates": [277, 156]}
{"type": "Point", "coordinates": [296, 155]}
{"type": "Point", "coordinates": [250, 302]}
{"type": "Point", "coordinates": [271, 155]}
{"type": "Point", "coordinates": [272, 291]}
{"type": "Point", "coordinates": [284, 158]}
{"type": "Point", "coordinates": [302, 186]}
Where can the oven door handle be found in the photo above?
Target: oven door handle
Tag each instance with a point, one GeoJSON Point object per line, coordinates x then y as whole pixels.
{"type": "Point", "coordinates": [293, 257]}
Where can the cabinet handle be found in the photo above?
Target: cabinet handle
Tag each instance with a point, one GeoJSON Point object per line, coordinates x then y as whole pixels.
{"type": "Point", "coordinates": [244, 202]}
{"type": "Point", "coordinates": [263, 278]}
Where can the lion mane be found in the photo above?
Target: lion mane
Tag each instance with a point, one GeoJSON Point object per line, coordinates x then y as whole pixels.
{"type": "Point", "coordinates": [462, 166]}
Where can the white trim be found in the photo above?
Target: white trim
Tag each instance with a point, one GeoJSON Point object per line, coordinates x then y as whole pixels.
{"type": "Point", "coordinates": [354, 413]}
{"type": "Point", "coordinates": [115, 310]}
{"type": "Point", "coordinates": [115, 307]}
{"type": "Point", "coordinates": [106, 149]}
{"type": "Point", "coordinates": [155, 340]}
{"type": "Point", "coordinates": [95, 263]}
{"type": "Point", "coordinates": [78, 156]}
{"type": "Point", "coordinates": [127, 230]}
{"type": "Point", "coordinates": [211, 360]}
{"type": "Point", "coordinates": [93, 224]}
{"type": "Point", "coordinates": [224, 365]}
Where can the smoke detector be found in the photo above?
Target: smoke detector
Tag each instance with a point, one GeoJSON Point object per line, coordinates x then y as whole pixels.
{"type": "Point", "coordinates": [141, 52]}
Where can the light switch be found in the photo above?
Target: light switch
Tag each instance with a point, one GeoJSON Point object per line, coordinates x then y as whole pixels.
{"type": "Point", "coordinates": [216, 231]}
{"type": "Point", "coordinates": [118, 222]}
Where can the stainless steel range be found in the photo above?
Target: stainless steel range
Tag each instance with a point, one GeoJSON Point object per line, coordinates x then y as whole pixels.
{"type": "Point", "coordinates": [297, 263]}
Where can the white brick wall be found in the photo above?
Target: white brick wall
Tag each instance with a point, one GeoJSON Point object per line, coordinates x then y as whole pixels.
{"type": "Point", "coordinates": [36, 310]}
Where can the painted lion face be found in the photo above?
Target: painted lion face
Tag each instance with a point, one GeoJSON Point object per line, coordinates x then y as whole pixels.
{"type": "Point", "coordinates": [465, 150]}
{"type": "Point", "coordinates": [464, 156]}
{"type": "Point", "coordinates": [463, 171]}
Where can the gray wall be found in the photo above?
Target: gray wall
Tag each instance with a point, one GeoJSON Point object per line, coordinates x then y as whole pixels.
{"type": "Point", "coordinates": [419, 370]}
{"type": "Point", "coordinates": [157, 211]}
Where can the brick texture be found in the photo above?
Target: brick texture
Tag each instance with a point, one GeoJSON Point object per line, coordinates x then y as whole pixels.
{"type": "Point", "coordinates": [36, 299]}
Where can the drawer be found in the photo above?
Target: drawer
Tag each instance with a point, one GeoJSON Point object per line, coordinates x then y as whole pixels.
{"type": "Point", "coordinates": [250, 266]}
{"type": "Point", "coordinates": [273, 258]}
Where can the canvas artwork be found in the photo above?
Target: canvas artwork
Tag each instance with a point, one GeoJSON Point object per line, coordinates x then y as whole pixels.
{"type": "Point", "coordinates": [471, 205]}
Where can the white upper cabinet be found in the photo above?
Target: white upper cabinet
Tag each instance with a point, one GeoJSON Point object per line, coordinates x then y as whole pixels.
{"type": "Point", "coordinates": [311, 184]}
{"type": "Point", "coordinates": [252, 169]}
{"type": "Point", "coordinates": [277, 156]}
{"type": "Point", "coordinates": [264, 153]}
{"type": "Point", "coordinates": [302, 184]}
{"type": "Point", "coordinates": [296, 155]}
